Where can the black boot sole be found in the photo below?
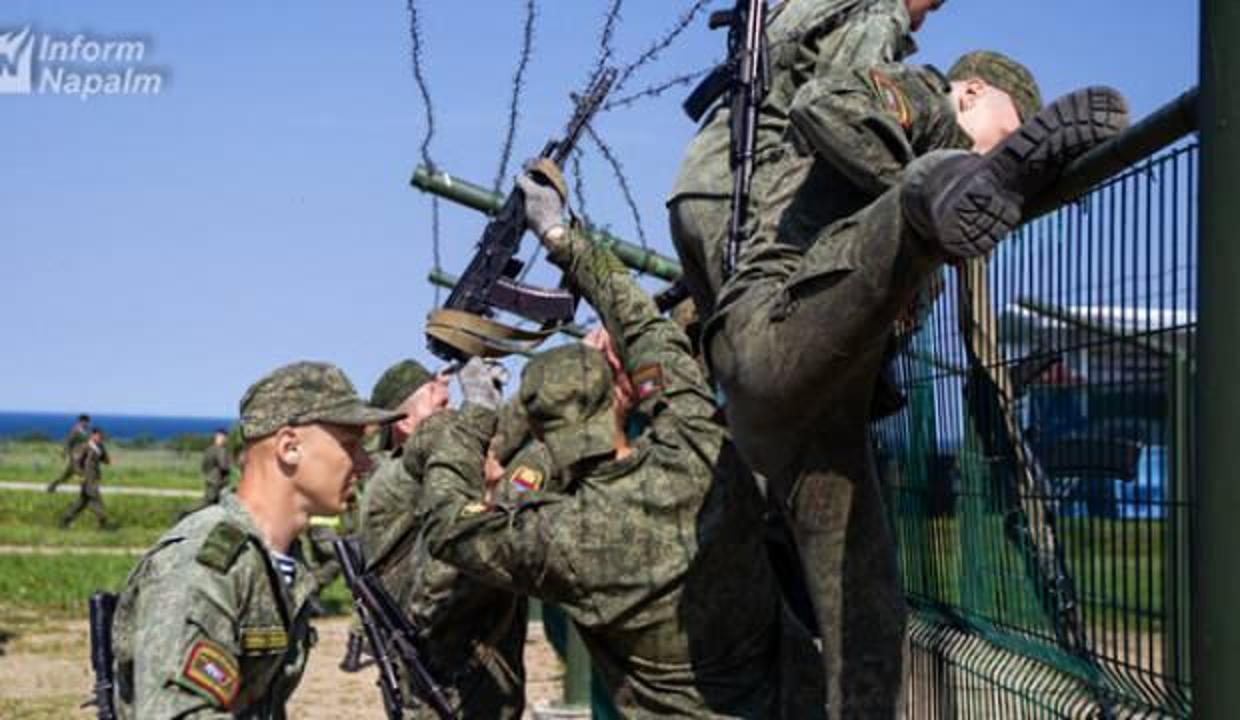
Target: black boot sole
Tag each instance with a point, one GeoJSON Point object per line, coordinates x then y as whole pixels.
{"type": "Point", "coordinates": [988, 204]}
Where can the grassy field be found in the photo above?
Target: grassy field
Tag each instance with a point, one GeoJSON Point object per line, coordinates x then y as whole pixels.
{"type": "Point", "coordinates": [32, 518]}
{"type": "Point", "coordinates": [59, 585]}
{"type": "Point", "coordinates": [155, 467]}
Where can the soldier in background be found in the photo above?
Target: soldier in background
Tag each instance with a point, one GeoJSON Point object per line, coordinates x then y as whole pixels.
{"type": "Point", "coordinates": [213, 620]}
{"type": "Point", "coordinates": [89, 459]}
{"type": "Point", "coordinates": [390, 495]}
{"type": "Point", "coordinates": [78, 435]}
{"type": "Point", "coordinates": [216, 469]}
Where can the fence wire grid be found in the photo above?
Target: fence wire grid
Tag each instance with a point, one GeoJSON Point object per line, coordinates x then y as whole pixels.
{"type": "Point", "coordinates": [1038, 476]}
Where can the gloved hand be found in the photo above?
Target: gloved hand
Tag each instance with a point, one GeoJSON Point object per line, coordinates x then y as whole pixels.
{"type": "Point", "coordinates": [482, 382]}
{"type": "Point", "coordinates": [545, 195]}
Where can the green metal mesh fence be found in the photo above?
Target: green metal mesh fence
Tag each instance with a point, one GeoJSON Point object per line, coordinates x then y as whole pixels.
{"type": "Point", "coordinates": [1038, 477]}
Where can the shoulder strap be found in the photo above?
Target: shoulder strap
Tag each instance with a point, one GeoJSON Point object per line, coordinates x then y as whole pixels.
{"type": "Point", "coordinates": [222, 546]}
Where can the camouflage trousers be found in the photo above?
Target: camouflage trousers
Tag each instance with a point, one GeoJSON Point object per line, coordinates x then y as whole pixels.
{"type": "Point", "coordinates": [797, 345]}
{"type": "Point", "coordinates": [88, 499]}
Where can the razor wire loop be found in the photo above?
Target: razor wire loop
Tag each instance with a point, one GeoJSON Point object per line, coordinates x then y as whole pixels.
{"type": "Point", "coordinates": [518, 87]}
{"type": "Point", "coordinates": [428, 105]}
{"type": "Point", "coordinates": [656, 90]}
{"type": "Point", "coordinates": [656, 48]}
{"type": "Point", "coordinates": [622, 180]}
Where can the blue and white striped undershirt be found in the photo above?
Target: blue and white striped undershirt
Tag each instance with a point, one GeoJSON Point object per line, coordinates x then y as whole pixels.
{"type": "Point", "coordinates": [286, 565]}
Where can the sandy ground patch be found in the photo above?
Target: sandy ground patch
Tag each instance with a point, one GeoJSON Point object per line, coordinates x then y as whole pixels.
{"type": "Point", "coordinates": [45, 673]}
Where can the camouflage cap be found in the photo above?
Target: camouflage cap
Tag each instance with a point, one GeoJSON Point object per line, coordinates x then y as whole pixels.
{"type": "Point", "coordinates": [305, 393]}
{"type": "Point", "coordinates": [399, 382]}
{"type": "Point", "coordinates": [1004, 73]}
{"type": "Point", "coordinates": [566, 394]}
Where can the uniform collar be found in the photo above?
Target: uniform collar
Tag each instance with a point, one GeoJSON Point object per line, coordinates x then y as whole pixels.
{"type": "Point", "coordinates": [293, 598]}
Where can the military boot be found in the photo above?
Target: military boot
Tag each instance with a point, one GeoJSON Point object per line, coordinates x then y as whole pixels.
{"type": "Point", "coordinates": [352, 661]}
{"type": "Point", "coordinates": [968, 203]}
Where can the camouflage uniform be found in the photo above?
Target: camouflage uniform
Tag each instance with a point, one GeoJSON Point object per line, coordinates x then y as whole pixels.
{"type": "Point", "coordinates": [799, 336]}
{"type": "Point", "coordinates": [808, 39]}
{"type": "Point", "coordinates": [216, 466]}
{"type": "Point", "coordinates": [656, 556]}
{"type": "Point", "coordinates": [90, 457]}
{"type": "Point", "coordinates": [207, 625]}
{"type": "Point", "coordinates": [77, 436]}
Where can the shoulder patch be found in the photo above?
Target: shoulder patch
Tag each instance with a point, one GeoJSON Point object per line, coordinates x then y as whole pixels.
{"type": "Point", "coordinates": [222, 546]}
{"type": "Point", "coordinates": [525, 479]}
{"type": "Point", "coordinates": [892, 97]}
{"type": "Point", "coordinates": [647, 380]}
{"type": "Point", "coordinates": [211, 669]}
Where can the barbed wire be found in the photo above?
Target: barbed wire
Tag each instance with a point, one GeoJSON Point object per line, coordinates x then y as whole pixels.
{"type": "Point", "coordinates": [622, 180]}
{"type": "Point", "coordinates": [653, 91]}
{"type": "Point", "coordinates": [606, 37]}
{"type": "Point", "coordinates": [579, 186]}
{"type": "Point", "coordinates": [428, 105]}
{"type": "Point", "coordinates": [658, 46]}
{"type": "Point", "coordinates": [518, 86]}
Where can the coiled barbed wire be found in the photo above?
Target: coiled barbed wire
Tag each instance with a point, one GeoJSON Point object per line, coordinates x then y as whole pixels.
{"type": "Point", "coordinates": [518, 87]}
{"type": "Point", "coordinates": [579, 186]}
{"type": "Point", "coordinates": [622, 180]}
{"type": "Point", "coordinates": [658, 46]}
{"type": "Point", "coordinates": [655, 90]}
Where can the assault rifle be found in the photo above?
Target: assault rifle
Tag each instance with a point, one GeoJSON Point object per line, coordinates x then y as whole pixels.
{"type": "Point", "coordinates": [746, 75]}
{"type": "Point", "coordinates": [490, 280]}
{"type": "Point", "coordinates": [102, 608]}
{"type": "Point", "coordinates": [387, 629]}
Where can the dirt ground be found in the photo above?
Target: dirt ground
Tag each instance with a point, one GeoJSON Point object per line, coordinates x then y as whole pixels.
{"type": "Point", "coordinates": [45, 673]}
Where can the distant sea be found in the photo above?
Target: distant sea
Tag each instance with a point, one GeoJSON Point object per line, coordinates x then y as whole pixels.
{"type": "Point", "coordinates": [55, 425]}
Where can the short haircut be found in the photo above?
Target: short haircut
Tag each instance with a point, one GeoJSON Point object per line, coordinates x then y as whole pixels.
{"type": "Point", "coordinates": [96, 431]}
{"type": "Point", "coordinates": [84, 418]}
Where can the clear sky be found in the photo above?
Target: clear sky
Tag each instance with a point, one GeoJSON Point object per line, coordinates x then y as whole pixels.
{"type": "Point", "coordinates": [160, 253]}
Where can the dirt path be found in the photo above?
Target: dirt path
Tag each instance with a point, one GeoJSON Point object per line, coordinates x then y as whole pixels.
{"type": "Point", "coordinates": [45, 673]}
{"type": "Point", "coordinates": [106, 489]}
{"type": "Point", "coordinates": [58, 550]}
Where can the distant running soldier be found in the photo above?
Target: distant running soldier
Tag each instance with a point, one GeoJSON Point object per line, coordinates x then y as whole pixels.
{"type": "Point", "coordinates": [78, 435]}
{"type": "Point", "coordinates": [89, 459]}
{"type": "Point", "coordinates": [216, 468]}
{"type": "Point", "coordinates": [213, 620]}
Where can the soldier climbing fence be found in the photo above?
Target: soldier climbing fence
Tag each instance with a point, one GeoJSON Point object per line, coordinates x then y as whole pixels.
{"type": "Point", "coordinates": [1039, 475]}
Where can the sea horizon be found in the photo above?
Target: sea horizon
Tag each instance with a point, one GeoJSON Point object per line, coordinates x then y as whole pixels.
{"type": "Point", "coordinates": [55, 425]}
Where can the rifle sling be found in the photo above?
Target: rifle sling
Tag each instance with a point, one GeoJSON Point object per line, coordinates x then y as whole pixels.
{"type": "Point", "coordinates": [477, 336]}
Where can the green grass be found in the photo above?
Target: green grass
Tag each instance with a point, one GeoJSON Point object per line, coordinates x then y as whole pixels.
{"type": "Point", "coordinates": [40, 462]}
{"type": "Point", "coordinates": [31, 518]}
{"type": "Point", "coordinates": [59, 586]}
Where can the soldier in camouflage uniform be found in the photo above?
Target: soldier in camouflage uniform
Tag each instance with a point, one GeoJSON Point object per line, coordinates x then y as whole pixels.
{"type": "Point", "coordinates": [472, 636]}
{"type": "Point", "coordinates": [808, 39]}
{"type": "Point", "coordinates": [388, 499]}
{"type": "Point", "coordinates": [77, 436]}
{"type": "Point", "coordinates": [216, 468]}
{"type": "Point", "coordinates": [800, 329]}
{"type": "Point", "coordinates": [654, 548]}
{"type": "Point", "coordinates": [212, 621]}
{"type": "Point", "coordinates": [89, 458]}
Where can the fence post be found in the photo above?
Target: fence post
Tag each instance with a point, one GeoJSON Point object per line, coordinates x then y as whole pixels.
{"type": "Point", "coordinates": [1216, 496]}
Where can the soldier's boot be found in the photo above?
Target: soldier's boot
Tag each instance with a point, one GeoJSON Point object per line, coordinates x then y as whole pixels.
{"type": "Point", "coordinates": [968, 203]}
{"type": "Point", "coordinates": [352, 661]}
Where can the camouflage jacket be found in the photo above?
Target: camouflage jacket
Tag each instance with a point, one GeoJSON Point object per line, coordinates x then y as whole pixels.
{"type": "Point", "coordinates": [808, 39]}
{"type": "Point", "coordinates": [472, 635]}
{"type": "Point", "coordinates": [76, 437]}
{"type": "Point", "coordinates": [656, 556]}
{"type": "Point", "coordinates": [206, 627]}
{"type": "Point", "coordinates": [91, 459]}
{"type": "Point", "coordinates": [216, 464]}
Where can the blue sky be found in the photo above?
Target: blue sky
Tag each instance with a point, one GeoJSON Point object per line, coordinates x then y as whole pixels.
{"type": "Point", "coordinates": [160, 253]}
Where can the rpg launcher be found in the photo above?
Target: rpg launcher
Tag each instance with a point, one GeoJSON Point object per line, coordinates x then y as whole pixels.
{"type": "Point", "coordinates": [460, 329]}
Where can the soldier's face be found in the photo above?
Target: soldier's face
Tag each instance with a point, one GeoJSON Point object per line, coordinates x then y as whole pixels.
{"type": "Point", "coordinates": [431, 398]}
{"type": "Point", "coordinates": [985, 112]}
{"type": "Point", "coordinates": [329, 462]}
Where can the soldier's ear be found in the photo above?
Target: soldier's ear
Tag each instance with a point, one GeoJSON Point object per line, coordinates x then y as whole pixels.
{"type": "Point", "coordinates": [288, 446]}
